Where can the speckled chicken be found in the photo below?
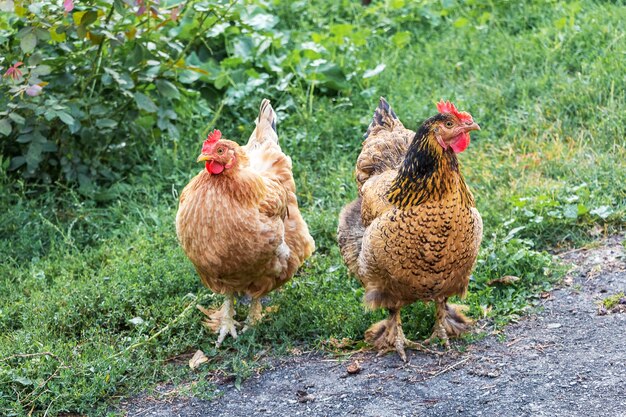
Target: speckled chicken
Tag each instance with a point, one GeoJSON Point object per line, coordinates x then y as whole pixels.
{"type": "Point", "coordinates": [238, 220]}
{"type": "Point", "coordinates": [414, 232]}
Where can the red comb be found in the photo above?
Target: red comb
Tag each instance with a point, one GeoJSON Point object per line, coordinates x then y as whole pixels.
{"type": "Point", "coordinates": [210, 140]}
{"type": "Point", "coordinates": [214, 136]}
{"type": "Point", "coordinates": [447, 107]}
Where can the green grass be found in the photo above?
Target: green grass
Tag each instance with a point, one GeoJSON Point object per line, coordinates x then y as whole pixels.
{"type": "Point", "coordinates": [546, 169]}
{"type": "Point", "coordinates": [612, 300]}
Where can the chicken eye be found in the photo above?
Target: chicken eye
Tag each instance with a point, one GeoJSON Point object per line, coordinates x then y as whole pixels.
{"type": "Point", "coordinates": [449, 124]}
{"type": "Point", "coordinates": [220, 151]}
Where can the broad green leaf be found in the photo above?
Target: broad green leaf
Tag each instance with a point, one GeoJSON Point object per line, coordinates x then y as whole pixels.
{"type": "Point", "coordinates": [78, 16]}
{"type": "Point", "coordinates": [460, 22]}
{"type": "Point", "coordinates": [23, 380]}
{"type": "Point", "coordinates": [106, 123]}
{"type": "Point", "coordinates": [98, 110]}
{"type": "Point", "coordinates": [145, 103]}
{"type": "Point", "coordinates": [85, 183]}
{"type": "Point", "coordinates": [17, 162]}
{"type": "Point", "coordinates": [88, 18]}
{"type": "Point", "coordinates": [341, 30]}
{"type": "Point", "coordinates": [484, 18]}
{"type": "Point", "coordinates": [167, 89]}
{"type": "Point", "coordinates": [25, 138]}
{"type": "Point", "coordinates": [222, 80]}
{"type": "Point", "coordinates": [571, 211]}
{"type": "Point", "coordinates": [188, 76]}
{"type": "Point", "coordinates": [401, 39]}
{"type": "Point", "coordinates": [333, 77]}
{"type": "Point", "coordinates": [42, 70]}
{"type": "Point", "coordinates": [260, 21]}
{"type": "Point", "coordinates": [243, 48]}
{"type": "Point", "coordinates": [218, 29]}
{"type": "Point", "coordinates": [21, 11]}
{"type": "Point", "coordinates": [35, 59]}
{"type": "Point", "coordinates": [35, 8]}
{"type": "Point", "coordinates": [42, 34]}
{"type": "Point", "coordinates": [5, 127]}
{"type": "Point", "coordinates": [34, 155]}
{"type": "Point", "coordinates": [17, 118]}
{"type": "Point", "coordinates": [56, 35]}
{"type": "Point", "coordinates": [147, 122]}
{"type": "Point", "coordinates": [375, 71]}
{"type": "Point", "coordinates": [603, 211]}
{"type": "Point", "coordinates": [560, 23]}
{"type": "Point", "coordinates": [48, 146]}
{"type": "Point", "coordinates": [66, 118]}
{"type": "Point", "coordinates": [81, 31]}
{"type": "Point", "coordinates": [28, 43]}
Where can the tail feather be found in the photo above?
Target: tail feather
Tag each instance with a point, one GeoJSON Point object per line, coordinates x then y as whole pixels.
{"type": "Point", "coordinates": [350, 235]}
{"type": "Point", "coordinates": [384, 117]}
{"type": "Point", "coordinates": [265, 125]}
{"type": "Point", "coordinates": [385, 145]}
{"type": "Point", "coordinates": [456, 323]}
{"type": "Point", "coordinates": [267, 113]}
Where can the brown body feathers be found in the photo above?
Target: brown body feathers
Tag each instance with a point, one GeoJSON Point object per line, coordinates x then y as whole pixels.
{"type": "Point", "coordinates": [414, 232]}
{"type": "Point", "coordinates": [242, 228]}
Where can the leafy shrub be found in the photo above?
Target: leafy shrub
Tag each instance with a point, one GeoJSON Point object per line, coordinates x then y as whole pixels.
{"type": "Point", "coordinates": [88, 88]}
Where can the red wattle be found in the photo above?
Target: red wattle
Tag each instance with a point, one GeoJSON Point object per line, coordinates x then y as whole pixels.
{"type": "Point", "coordinates": [460, 143]}
{"type": "Point", "coordinates": [214, 167]}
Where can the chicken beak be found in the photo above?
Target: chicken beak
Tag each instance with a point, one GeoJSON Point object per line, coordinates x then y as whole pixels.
{"type": "Point", "coordinates": [469, 126]}
{"type": "Point", "coordinates": [204, 157]}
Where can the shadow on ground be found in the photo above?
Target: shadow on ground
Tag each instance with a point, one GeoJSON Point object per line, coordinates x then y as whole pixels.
{"type": "Point", "coordinates": [565, 361]}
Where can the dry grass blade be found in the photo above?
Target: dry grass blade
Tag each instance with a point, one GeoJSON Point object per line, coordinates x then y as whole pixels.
{"type": "Point", "coordinates": [505, 280]}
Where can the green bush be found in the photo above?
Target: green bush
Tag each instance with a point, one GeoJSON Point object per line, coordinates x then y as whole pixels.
{"type": "Point", "coordinates": [89, 88]}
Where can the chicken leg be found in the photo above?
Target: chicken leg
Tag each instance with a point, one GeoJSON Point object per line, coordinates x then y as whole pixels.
{"type": "Point", "coordinates": [255, 314]}
{"type": "Point", "coordinates": [449, 321]}
{"type": "Point", "coordinates": [222, 322]}
{"type": "Point", "coordinates": [387, 335]}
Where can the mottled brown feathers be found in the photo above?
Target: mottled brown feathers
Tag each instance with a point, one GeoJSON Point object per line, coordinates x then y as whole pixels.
{"type": "Point", "coordinates": [385, 144]}
{"type": "Point", "coordinates": [350, 234]}
{"type": "Point", "coordinates": [420, 231]}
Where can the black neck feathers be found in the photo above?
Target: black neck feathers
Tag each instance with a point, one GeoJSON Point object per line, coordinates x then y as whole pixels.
{"type": "Point", "coordinates": [428, 172]}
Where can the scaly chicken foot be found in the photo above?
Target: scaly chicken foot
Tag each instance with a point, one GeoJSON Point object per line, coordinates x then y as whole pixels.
{"type": "Point", "coordinates": [439, 330]}
{"type": "Point", "coordinates": [255, 314]}
{"type": "Point", "coordinates": [222, 321]}
{"type": "Point", "coordinates": [387, 336]}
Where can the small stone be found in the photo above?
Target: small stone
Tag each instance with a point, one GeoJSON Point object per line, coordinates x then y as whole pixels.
{"type": "Point", "coordinates": [554, 325]}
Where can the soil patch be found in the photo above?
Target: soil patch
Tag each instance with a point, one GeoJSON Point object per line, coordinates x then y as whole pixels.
{"type": "Point", "coordinates": [567, 360]}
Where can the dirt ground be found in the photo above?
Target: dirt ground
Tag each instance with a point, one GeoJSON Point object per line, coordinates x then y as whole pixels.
{"type": "Point", "coordinates": [567, 360]}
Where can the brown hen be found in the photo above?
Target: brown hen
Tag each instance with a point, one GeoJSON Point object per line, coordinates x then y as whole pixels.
{"type": "Point", "coordinates": [414, 231]}
{"type": "Point", "coordinates": [238, 220]}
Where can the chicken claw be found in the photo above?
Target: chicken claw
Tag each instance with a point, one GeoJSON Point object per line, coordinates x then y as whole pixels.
{"type": "Point", "coordinates": [221, 321]}
{"type": "Point", "coordinates": [399, 344]}
{"type": "Point", "coordinates": [439, 332]}
{"type": "Point", "coordinates": [255, 314]}
{"type": "Point", "coordinates": [449, 322]}
{"type": "Point", "coordinates": [388, 336]}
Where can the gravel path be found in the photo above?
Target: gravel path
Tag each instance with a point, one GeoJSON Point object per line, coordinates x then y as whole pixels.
{"type": "Point", "coordinates": [565, 361]}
